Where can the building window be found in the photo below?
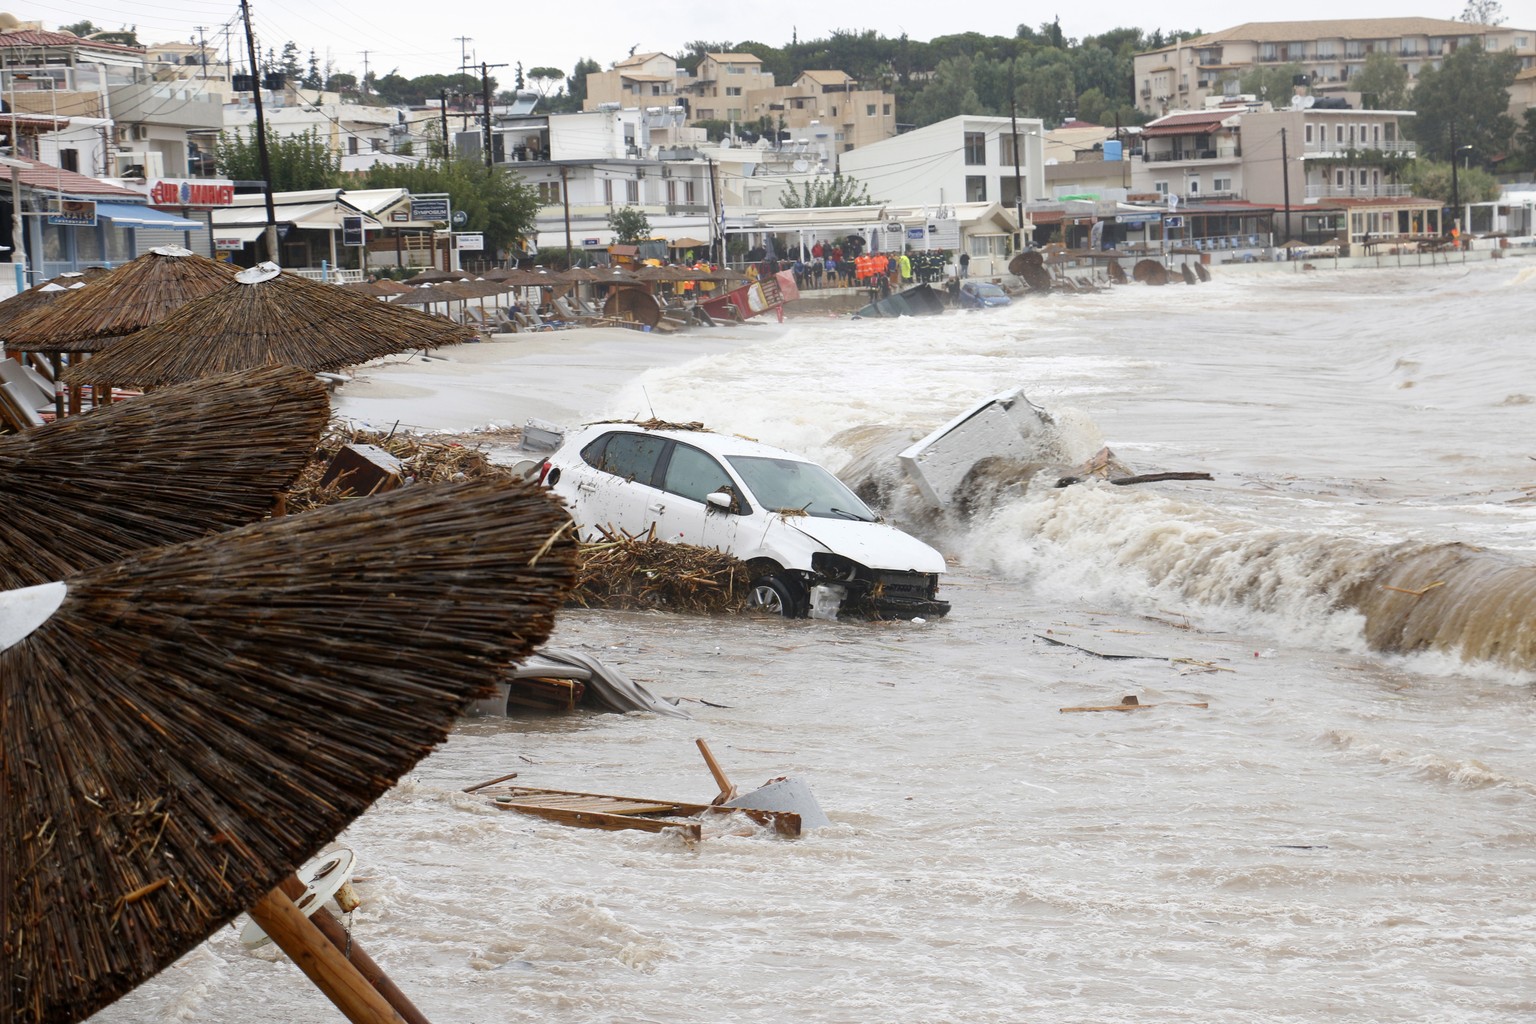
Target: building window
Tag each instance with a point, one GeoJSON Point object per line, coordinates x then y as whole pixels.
{"type": "Point", "coordinates": [69, 160]}
{"type": "Point", "coordinates": [733, 90]}
{"type": "Point", "coordinates": [549, 193]}
{"type": "Point", "coordinates": [735, 69]}
{"type": "Point", "coordinates": [1160, 187]}
{"type": "Point", "coordinates": [1309, 134]}
{"type": "Point", "coordinates": [1221, 184]}
{"type": "Point", "coordinates": [1338, 134]}
{"type": "Point", "coordinates": [886, 110]}
{"type": "Point", "coordinates": [672, 191]}
{"type": "Point", "coordinates": [975, 149]}
{"type": "Point", "coordinates": [352, 144]}
{"type": "Point", "coordinates": [869, 110]}
{"type": "Point", "coordinates": [1338, 178]}
{"type": "Point", "coordinates": [733, 114]}
{"type": "Point", "coordinates": [608, 191]}
{"type": "Point", "coordinates": [834, 111]}
{"type": "Point", "coordinates": [975, 188]}
{"type": "Point", "coordinates": [688, 192]}
{"type": "Point", "coordinates": [1192, 187]}
{"type": "Point", "coordinates": [754, 197]}
{"type": "Point", "coordinates": [631, 192]}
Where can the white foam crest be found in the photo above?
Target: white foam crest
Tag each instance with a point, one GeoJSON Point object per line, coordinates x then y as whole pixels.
{"type": "Point", "coordinates": [1138, 551]}
{"type": "Point", "coordinates": [1467, 773]}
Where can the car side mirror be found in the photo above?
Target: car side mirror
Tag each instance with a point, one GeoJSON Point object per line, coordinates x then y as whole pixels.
{"type": "Point", "coordinates": [719, 500]}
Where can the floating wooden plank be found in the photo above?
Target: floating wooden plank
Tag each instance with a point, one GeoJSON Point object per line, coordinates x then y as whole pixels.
{"type": "Point", "coordinates": [603, 811]}
{"type": "Point", "coordinates": [1132, 704]}
{"type": "Point", "coordinates": [1108, 652]}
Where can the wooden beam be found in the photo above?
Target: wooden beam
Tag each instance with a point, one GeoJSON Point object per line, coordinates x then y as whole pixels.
{"type": "Point", "coordinates": [321, 962]}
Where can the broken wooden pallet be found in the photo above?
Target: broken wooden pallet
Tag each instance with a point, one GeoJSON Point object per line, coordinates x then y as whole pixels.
{"type": "Point", "coordinates": [597, 810]}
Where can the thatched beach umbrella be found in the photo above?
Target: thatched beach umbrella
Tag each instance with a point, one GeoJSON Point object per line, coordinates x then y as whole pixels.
{"type": "Point", "coordinates": [141, 292]}
{"type": "Point", "coordinates": [181, 730]}
{"type": "Point", "coordinates": [266, 316]}
{"type": "Point", "coordinates": [163, 468]}
{"type": "Point", "coordinates": [45, 294]}
{"type": "Point", "coordinates": [432, 275]}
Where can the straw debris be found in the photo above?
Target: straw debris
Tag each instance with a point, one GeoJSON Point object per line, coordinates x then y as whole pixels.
{"type": "Point", "coordinates": [625, 571]}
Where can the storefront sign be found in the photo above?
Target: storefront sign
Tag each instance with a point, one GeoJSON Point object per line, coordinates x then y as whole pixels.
{"type": "Point", "coordinates": [78, 213]}
{"type": "Point", "coordinates": [470, 241]}
{"type": "Point", "coordinates": [228, 244]}
{"type": "Point", "coordinates": [429, 209]}
{"type": "Point", "coordinates": [351, 231]}
{"type": "Point", "coordinates": [191, 192]}
{"type": "Point", "coordinates": [399, 217]}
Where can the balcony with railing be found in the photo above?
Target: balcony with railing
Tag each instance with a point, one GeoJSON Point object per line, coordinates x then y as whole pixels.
{"type": "Point", "coordinates": [1191, 155]}
{"type": "Point", "coordinates": [1383, 191]}
{"type": "Point", "coordinates": [1331, 149]}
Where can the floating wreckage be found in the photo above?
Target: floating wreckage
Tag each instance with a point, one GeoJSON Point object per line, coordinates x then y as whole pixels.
{"type": "Point", "coordinates": [918, 300]}
{"type": "Point", "coordinates": [784, 804]}
{"type": "Point", "coordinates": [998, 445]}
{"type": "Point", "coordinates": [556, 679]}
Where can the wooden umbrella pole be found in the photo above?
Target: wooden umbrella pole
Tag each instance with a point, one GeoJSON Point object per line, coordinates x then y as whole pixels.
{"type": "Point", "coordinates": [322, 962]}
{"type": "Point", "coordinates": [332, 929]}
{"type": "Point", "coordinates": [726, 789]}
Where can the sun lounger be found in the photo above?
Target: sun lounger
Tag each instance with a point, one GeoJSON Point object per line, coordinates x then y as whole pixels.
{"type": "Point", "coordinates": [16, 410]}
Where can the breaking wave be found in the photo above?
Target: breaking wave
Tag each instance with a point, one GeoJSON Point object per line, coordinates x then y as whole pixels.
{"type": "Point", "coordinates": [1098, 543]}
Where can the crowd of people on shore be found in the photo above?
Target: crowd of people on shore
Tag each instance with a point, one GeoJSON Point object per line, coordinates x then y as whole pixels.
{"type": "Point", "coordinates": [845, 263]}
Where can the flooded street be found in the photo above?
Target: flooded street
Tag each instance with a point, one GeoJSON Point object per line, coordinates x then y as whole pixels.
{"type": "Point", "coordinates": [1343, 833]}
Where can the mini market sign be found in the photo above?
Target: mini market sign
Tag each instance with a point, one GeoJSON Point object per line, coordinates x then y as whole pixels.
{"type": "Point", "coordinates": [191, 192]}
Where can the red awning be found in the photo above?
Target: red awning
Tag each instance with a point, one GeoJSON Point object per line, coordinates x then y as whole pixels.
{"type": "Point", "coordinates": [1201, 127]}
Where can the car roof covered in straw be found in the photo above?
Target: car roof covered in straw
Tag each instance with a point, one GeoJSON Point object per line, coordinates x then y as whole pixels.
{"type": "Point", "coordinates": [267, 316]}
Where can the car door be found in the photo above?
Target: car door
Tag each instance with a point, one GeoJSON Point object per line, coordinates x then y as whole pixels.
{"type": "Point", "coordinates": [616, 482]}
{"type": "Point", "coordinates": [680, 509]}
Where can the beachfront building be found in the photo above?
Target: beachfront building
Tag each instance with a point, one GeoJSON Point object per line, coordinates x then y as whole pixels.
{"type": "Point", "coordinates": [829, 106]}
{"type": "Point", "coordinates": [152, 123]}
{"type": "Point", "coordinates": [965, 159]}
{"type": "Point", "coordinates": [825, 105]}
{"type": "Point", "coordinates": [1193, 155]}
{"type": "Point", "coordinates": [1183, 75]}
{"type": "Point", "coordinates": [359, 135]}
{"type": "Point", "coordinates": [639, 80]}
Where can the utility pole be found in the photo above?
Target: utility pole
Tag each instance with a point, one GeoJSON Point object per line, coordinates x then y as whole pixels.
{"type": "Point", "coordinates": [202, 51]}
{"type": "Point", "coordinates": [364, 82]}
{"type": "Point", "coordinates": [261, 134]}
{"type": "Point", "coordinates": [485, 95]}
{"type": "Point", "coordinates": [565, 197]}
{"type": "Point", "coordinates": [1018, 181]}
{"type": "Point", "coordinates": [1285, 178]}
{"type": "Point", "coordinates": [444, 112]}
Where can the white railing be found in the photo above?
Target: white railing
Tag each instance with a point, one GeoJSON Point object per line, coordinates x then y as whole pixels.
{"type": "Point", "coordinates": [1340, 149]}
{"type": "Point", "coordinates": [334, 275]}
{"type": "Point", "coordinates": [1358, 191]}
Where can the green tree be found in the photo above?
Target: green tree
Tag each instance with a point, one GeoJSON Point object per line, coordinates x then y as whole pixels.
{"type": "Point", "coordinates": [839, 190]}
{"type": "Point", "coordinates": [544, 79]}
{"type": "Point", "coordinates": [1482, 12]}
{"type": "Point", "coordinates": [1277, 84]}
{"type": "Point", "coordinates": [950, 92]}
{"type": "Point", "coordinates": [1527, 140]}
{"type": "Point", "coordinates": [299, 162]}
{"type": "Point", "coordinates": [80, 28]}
{"type": "Point", "coordinates": [498, 203]}
{"type": "Point", "coordinates": [288, 64]}
{"type": "Point", "coordinates": [629, 225]}
{"type": "Point", "coordinates": [312, 79]}
{"type": "Point", "coordinates": [1466, 98]}
{"type": "Point", "coordinates": [1432, 180]}
{"type": "Point", "coordinates": [576, 85]}
{"type": "Point", "coordinates": [1382, 83]}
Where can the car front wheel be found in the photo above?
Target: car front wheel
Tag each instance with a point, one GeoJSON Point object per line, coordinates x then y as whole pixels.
{"type": "Point", "coordinates": [777, 596]}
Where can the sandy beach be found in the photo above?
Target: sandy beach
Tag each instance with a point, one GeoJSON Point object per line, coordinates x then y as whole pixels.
{"type": "Point", "coordinates": [557, 376]}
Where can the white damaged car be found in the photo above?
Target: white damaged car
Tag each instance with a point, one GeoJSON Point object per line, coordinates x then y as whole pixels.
{"type": "Point", "coordinates": [809, 542]}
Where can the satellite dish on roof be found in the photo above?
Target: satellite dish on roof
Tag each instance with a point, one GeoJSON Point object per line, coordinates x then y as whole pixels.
{"type": "Point", "coordinates": [1307, 101]}
{"type": "Point", "coordinates": [801, 166]}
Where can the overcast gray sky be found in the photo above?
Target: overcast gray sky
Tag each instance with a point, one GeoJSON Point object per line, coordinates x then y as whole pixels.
{"type": "Point", "coordinates": [419, 37]}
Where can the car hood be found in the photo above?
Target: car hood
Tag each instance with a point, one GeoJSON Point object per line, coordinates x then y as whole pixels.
{"type": "Point", "coordinates": [875, 545]}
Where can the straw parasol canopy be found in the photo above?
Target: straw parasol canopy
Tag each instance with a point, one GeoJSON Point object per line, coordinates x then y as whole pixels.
{"type": "Point", "coordinates": [184, 728]}
{"type": "Point", "coordinates": [141, 292]}
{"type": "Point", "coordinates": [266, 316]}
{"type": "Point", "coordinates": [167, 467]}
{"type": "Point", "coordinates": [688, 243]}
{"type": "Point", "coordinates": [45, 294]}
{"type": "Point", "coordinates": [432, 275]}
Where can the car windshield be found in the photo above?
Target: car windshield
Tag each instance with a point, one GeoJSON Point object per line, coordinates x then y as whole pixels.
{"type": "Point", "coordinates": [788, 484]}
{"type": "Point", "coordinates": [990, 291]}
